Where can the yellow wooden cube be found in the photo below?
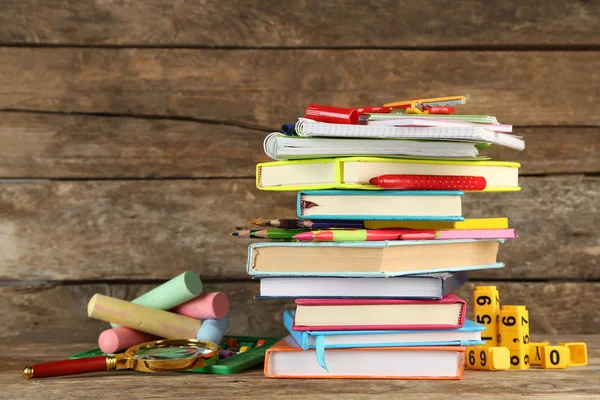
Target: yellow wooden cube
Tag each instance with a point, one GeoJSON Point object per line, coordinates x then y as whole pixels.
{"type": "Point", "coordinates": [535, 352]}
{"type": "Point", "coordinates": [519, 359]}
{"type": "Point", "coordinates": [578, 353]}
{"type": "Point", "coordinates": [488, 358]}
{"type": "Point", "coordinates": [555, 357]}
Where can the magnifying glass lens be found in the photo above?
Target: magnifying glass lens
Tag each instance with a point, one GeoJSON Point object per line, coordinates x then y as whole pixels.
{"type": "Point", "coordinates": [169, 353]}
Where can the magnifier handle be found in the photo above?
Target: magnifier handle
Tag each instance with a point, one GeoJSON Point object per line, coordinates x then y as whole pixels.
{"type": "Point", "coordinates": [67, 367]}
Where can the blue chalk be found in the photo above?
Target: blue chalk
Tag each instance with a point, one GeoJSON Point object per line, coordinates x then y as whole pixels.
{"type": "Point", "coordinates": [212, 330]}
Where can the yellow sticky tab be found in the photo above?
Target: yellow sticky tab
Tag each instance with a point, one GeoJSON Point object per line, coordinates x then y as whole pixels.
{"type": "Point", "coordinates": [535, 352]}
{"type": "Point", "coordinates": [488, 358]}
{"type": "Point", "coordinates": [555, 357]}
{"type": "Point", "coordinates": [577, 353]}
{"type": "Point", "coordinates": [519, 359]}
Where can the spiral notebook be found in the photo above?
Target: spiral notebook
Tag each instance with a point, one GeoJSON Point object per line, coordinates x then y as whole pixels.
{"type": "Point", "coordinates": [309, 128]}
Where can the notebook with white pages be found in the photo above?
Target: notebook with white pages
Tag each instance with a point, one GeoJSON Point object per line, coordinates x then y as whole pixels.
{"type": "Point", "coordinates": [439, 122]}
{"type": "Point", "coordinates": [480, 119]}
{"type": "Point", "coordinates": [309, 128]}
{"type": "Point", "coordinates": [282, 147]}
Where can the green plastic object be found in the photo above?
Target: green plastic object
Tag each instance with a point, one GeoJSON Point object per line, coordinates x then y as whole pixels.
{"type": "Point", "coordinates": [230, 365]}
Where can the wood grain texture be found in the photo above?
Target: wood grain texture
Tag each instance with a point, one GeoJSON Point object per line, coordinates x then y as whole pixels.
{"type": "Point", "coordinates": [572, 383]}
{"type": "Point", "coordinates": [67, 146]}
{"type": "Point", "coordinates": [155, 229]}
{"type": "Point", "coordinates": [269, 87]}
{"type": "Point", "coordinates": [76, 146]}
{"type": "Point", "coordinates": [48, 312]}
{"type": "Point", "coordinates": [310, 23]}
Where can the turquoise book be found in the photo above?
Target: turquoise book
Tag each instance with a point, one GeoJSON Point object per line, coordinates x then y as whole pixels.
{"type": "Point", "coordinates": [467, 335]}
{"type": "Point", "coordinates": [404, 205]}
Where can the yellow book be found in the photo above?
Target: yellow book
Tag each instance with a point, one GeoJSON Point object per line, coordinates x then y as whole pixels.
{"type": "Point", "coordinates": [355, 172]}
{"type": "Point", "coordinates": [475, 223]}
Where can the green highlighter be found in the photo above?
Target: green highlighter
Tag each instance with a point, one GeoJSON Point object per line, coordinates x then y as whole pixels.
{"type": "Point", "coordinates": [238, 362]}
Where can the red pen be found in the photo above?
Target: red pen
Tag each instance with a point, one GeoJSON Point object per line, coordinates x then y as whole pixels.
{"type": "Point", "coordinates": [373, 109]}
{"type": "Point", "coordinates": [331, 114]}
{"type": "Point", "coordinates": [429, 182]}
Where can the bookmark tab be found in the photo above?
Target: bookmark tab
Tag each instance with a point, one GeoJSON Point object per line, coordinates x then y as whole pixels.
{"type": "Point", "coordinates": [320, 350]}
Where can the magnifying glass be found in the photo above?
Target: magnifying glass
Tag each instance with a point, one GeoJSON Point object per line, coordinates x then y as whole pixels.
{"type": "Point", "coordinates": [157, 356]}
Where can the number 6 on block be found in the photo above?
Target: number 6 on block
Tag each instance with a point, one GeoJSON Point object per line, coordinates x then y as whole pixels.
{"type": "Point", "coordinates": [488, 358]}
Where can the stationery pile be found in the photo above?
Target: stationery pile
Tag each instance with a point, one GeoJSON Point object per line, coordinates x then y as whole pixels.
{"type": "Point", "coordinates": [380, 243]}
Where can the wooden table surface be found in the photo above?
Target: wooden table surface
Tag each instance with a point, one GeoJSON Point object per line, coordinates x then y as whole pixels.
{"type": "Point", "coordinates": [572, 383]}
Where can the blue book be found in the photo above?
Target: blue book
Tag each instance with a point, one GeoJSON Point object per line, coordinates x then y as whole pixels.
{"type": "Point", "coordinates": [418, 287]}
{"type": "Point", "coordinates": [402, 205]}
{"type": "Point", "coordinates": [468, 335]}
{"type": "Point", "coordinates": [371, 259]}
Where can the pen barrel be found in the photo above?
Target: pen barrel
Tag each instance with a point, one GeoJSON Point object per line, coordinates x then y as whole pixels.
{"type": "Point", "coordinates": [348, 236]}
{"type": "Point", "coordinates": [67, 367]}
{"type": "Point", "coordinates": [430, 182]}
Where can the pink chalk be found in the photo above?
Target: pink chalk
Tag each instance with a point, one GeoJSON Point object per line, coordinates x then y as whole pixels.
{"type": "Point", "coordinates": [112, 340]}
{"type": "Point", "coordinates": [213, 305]}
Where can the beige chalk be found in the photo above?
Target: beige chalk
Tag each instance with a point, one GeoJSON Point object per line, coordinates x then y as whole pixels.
{"type": "Point", "coordinates": [157, 322]}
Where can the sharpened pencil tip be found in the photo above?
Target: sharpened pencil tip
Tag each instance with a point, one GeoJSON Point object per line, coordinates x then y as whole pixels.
{"type": "Point", "coordinates": [234, 234]}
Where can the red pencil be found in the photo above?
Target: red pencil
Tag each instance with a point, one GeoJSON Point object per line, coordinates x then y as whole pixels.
{"type": "Point", "coordinates": [429, 182]}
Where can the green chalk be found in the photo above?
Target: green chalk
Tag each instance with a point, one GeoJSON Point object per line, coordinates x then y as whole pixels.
{"type": "Point", "coordinates": [172, 293]}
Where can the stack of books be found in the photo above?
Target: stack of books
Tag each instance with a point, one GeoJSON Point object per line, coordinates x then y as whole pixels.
{"type": "Point", "coordinates": [380, 243]}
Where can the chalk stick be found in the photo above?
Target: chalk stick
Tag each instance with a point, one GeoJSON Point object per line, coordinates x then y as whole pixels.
{"type": "Point", "coordinates": [112, 340]}
{"type": "Point", "coordinates": [172, 293]}
{"type": "Point", "coordinates": [156, 322]}
{"type": "Point", "coordinates": [213, 305]}
{"type": "Point", "coordinates": [213, 330]}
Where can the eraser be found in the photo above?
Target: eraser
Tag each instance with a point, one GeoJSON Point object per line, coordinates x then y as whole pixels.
{"type": "Point", "coordinates": [213, 305]}
{"type": "Point", "coordinates": [157, 322]}
{"type": "Point", "coordinates": [113, 340]}
{"type": "Point", "coordinates": [212, 330]}
{"type": "Point", "coordinates": [172, 293]}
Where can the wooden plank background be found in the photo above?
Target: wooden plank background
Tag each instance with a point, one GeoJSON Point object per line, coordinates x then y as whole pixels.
{"type": "Point", "coordinates": [129, 133]}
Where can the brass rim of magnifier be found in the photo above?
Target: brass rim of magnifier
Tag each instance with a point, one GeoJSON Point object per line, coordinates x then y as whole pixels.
{"type": "Point", "coordinates": [127, 359]}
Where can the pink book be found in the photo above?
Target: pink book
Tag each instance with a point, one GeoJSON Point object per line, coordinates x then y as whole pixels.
{"type": "Point", "coordinates": [379, 314]}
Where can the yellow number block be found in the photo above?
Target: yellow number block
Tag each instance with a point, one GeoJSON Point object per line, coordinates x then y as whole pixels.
{"type": "Point", "coordinates": [519, 359]}
{"type": "Point", "coordinates": [488, 358]}
{"type": "Point", "coordinates": [486, 311]}
{"type": "Point", "coordinates": [515, 340]}
{"type": "Point", "coordinates": [555, 357]}
{"type": "Point", "coordinates": [514, 318]}
{"type": "Point", "coordinates": [577, 352]}
{"type": "Point", "coordinates": [535, 352]}
{"type": "Point", "coordinates": [514, 328]}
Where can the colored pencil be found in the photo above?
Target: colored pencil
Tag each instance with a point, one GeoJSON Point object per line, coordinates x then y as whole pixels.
{"type": "Point", "coordinates": [269, 233]}
{"type": "Point", "coordinates": [305, 223]}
